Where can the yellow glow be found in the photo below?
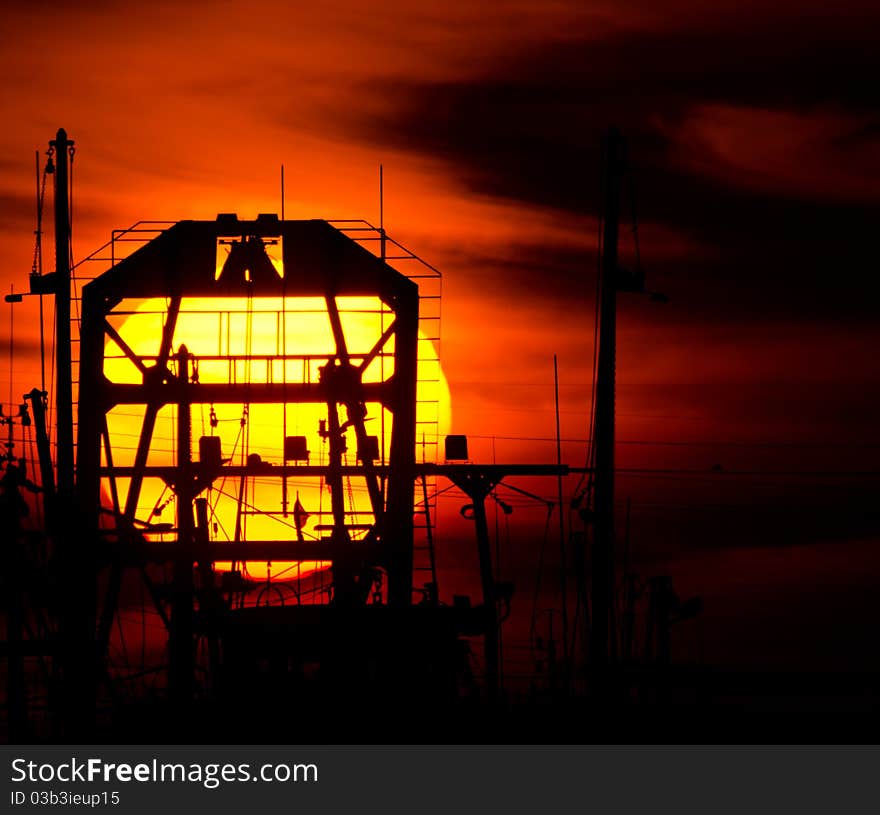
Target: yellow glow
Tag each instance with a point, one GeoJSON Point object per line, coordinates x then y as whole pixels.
{"type": "Point", "coordinates": [265, 329]}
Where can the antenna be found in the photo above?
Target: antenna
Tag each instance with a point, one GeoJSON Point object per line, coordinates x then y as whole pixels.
{"type": "Point", "coordinates": [282, 192]}
{"type": "Point", "coordinates": [382, 212]}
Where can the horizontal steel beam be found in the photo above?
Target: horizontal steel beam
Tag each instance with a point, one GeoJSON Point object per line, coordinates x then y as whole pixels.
{"type": "Point", "coordinates": [494, 471]}
{"type": "Point", "coordinates": [166, 393]}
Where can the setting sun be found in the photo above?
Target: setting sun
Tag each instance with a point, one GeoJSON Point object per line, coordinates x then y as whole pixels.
{"type": "Point", "coordinates": [286, 341]}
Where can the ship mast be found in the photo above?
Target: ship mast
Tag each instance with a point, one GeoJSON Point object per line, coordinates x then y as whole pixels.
{"type": "Point", "coordinates": [63, 357]}
{"type": "Point", "coordinates": [603, 545]}
{"type": "Point", "coordinates": [74, 558]}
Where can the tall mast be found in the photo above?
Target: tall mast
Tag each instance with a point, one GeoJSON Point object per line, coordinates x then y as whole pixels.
{"type": "Point", "coordinates": [63, 374]}
{"type": "Point", "coordinates": [75, 557]}
{"type": "Point", "coordinates": [603, 544]}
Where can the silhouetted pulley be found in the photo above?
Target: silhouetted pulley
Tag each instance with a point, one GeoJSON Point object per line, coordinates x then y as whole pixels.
{"type": "Point", "coordinates": [296, 448]}
{"type": "Point", "coordinates": [209, 451]}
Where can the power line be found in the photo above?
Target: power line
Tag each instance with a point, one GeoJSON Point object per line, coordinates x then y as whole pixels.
{"type": "Point", "coordinates": [695, 443]}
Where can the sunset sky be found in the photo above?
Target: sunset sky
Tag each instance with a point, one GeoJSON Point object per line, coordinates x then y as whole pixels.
{"type": "Point", "coordinates": [754, 133]}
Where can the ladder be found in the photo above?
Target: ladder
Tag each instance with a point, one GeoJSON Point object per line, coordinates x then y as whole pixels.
{"type": "Point", "coordinates": [430, 283]}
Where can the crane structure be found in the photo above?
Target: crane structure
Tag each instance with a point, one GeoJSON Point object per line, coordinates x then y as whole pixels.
{"type": "Point", "coordinates": [227, 268]}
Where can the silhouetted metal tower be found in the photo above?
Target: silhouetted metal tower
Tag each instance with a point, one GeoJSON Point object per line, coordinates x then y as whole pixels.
{"type": "Point", "coordinates": [321, 263]}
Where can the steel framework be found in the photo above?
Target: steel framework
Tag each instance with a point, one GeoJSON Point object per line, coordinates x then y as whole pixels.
{"type": "Point", "coordinates": [318, 261]}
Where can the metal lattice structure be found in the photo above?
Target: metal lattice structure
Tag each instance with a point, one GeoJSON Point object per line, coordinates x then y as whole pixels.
{"type": "Point", "coordinates": [248, 262]}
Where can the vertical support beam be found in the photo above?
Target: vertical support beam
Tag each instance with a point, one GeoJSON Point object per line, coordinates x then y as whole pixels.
{"type": "Point", "coordinates": [181, 645]}
{"type": "Point", "coordinates": [603, 545]}
{"type": "Point", "coordinates": [477, 487]}
{"type": "Point", "coordinates": [490, 599]}
{"type": "Point", "coordinates": [152, 383]}
{"type": "Point", "coordinates": [90, 422]}
{"type": "Point", "coordinates": [398, 529]}
{"type": "Point", "coordinates": [92, 408]}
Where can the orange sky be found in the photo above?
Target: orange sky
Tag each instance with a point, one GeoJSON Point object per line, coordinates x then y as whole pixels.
{"type": "Point", "coordinates": [183, 113]}
{"type": "Point", "coordinates": [753, 134]}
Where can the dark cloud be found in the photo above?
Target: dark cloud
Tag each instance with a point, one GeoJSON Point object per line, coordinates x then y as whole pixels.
{"type": "Point", "coordinates": [548, 273]}
{"type": "Point", "coordinates": [531, 128]}
{"type": "Point", "coordinates": [530, 131]}
{"type": "Point", "coordinates": [758, 258]}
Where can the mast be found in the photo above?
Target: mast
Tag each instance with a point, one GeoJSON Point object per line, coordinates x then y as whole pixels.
{"type": "Point", "coordinates": [603, 544]}
{"type": "Point", "coordinates": [63, 373]}
{"type": "Point", "coordinates": [75, 557]}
